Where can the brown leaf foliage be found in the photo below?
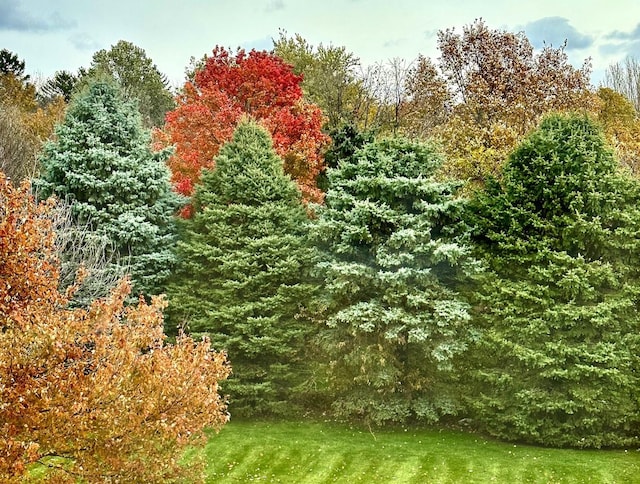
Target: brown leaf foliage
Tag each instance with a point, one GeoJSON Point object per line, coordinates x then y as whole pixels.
{"type": "Point", "coordinates": [94, 394]}
{"type": "Point", "coordinates": [490, 88]}
{"type": "Point", "coordinates": [429, 100]}
{"type": "Point", "coordinates": [24, 126]}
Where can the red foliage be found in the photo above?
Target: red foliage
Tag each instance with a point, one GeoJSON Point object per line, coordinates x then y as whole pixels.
{"type": "Point", "coordinates": [259, 81]}
{"type": "Point", "coordinates": [227, 87]}
{"type": "Point", "coordinates": [202, 122]}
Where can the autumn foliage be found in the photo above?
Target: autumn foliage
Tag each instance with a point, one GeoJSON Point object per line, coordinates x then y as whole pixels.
{"type": "Point", "coordinates": [24, 126]}
{"type": "Point", "coordinates": [487, 91]}
{"type": "Point", "coordinates": [226, 87]}
{"type": "Point", "coordinates": [91, 394]}
{"type": "Point", "coordinates": [621, 125]}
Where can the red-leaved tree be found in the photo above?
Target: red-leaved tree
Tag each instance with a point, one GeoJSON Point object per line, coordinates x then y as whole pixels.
{"type": "Point", "coordinates": [229, 86]}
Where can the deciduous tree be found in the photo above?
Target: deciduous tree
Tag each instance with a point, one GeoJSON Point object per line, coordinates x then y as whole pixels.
{"type": "Point", "coordinates": [17, 92]}
{"type": "Point", "coordinates": [78, 249]}
{"type": "Point", "coordinates": [497, 89]}
{"type": "Point", "coordinates": [624, 77]}
{"type": "Point", "coordinates": [428, 100]}
{"type": "Point", "coordinates": [329, 76]}
{"type": "Point", "coordinates": [18, 145]}
{"type": "Point", "coordinates": [621, 123]}
{"type": "Point", "coordinates": [256, 83]}
{"type": "Point", "coordinates": [91, 395]}
{"type": "Point", "coordinates": [140, 79]}
{"type": "Point", "coordinates": [382, 95]}
{"type": "Point", "coordinates": [24, 125]}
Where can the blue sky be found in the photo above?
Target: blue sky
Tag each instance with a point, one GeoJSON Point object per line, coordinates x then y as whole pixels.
{"type": "Point", "coordinates": [63, 34]}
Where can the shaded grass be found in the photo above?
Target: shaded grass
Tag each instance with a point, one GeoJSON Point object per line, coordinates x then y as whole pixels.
{"type": "Point", "coordinates": [302, 452]}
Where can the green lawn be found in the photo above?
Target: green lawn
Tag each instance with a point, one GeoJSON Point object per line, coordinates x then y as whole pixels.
{"type": "Point", "coordinates": [318, 453]}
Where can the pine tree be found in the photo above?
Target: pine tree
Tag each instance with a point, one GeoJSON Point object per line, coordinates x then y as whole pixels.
{"type": "Point", "coordinates": [392, 250]}
{"type": "Point", "coordinates": [243, 271]}
{"type": "Point", "coordinates": [102, 164]}
{"type": "Point", "coordinates": [558, 363]}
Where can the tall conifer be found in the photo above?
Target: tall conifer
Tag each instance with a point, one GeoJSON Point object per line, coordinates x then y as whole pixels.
{"type": "Point", "coordinates": [102, 164]}
{"type": "Point", "coordinates": [393, 251]}
{"type": "Point", "coordinates": [559, 363]}
{"type": "Point", "coordinates": [244, 271]}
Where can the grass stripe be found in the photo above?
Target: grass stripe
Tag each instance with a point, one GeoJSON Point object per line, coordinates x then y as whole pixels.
{"type": "Point", "coordinates": [318, 453]}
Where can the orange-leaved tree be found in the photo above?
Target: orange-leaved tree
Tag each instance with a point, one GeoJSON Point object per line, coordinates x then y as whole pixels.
{"type": "Point", "coordinates": [91, 394]}
{"type": "Point", "coordinates": [225, 88]}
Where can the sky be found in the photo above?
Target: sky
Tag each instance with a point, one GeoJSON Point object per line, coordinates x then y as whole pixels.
{"type": "Point", "coordinates": [52, 35]}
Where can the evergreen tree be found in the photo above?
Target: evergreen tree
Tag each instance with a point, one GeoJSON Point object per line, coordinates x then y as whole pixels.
{"type": "Point", "coordinates": [62, 83]}
{"type": "Point", "coordinates": [392, 250]}
{"type": "Point", "coordinates": [558, 363]}
{"type": "Point", "coordinates": [243, 271]}
{"type": "Point", "coordinates": [345, 140]}
{"type": "Point", "coordinates": [102, 164]}
{"type": "Point", "coordinates": [11, 64]}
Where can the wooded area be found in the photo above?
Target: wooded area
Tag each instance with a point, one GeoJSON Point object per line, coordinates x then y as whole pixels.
{"type": "Point", "coordinates": [291, 233]}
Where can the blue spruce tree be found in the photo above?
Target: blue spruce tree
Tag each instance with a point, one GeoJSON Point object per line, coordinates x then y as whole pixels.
{"type": "Point", "coordinates": [393, 253]}
{"type": "Point", "coordinates": [101, 163]}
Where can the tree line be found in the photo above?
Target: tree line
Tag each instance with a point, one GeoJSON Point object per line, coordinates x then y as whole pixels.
{"type": "Point", "coordinates": [417, 243]}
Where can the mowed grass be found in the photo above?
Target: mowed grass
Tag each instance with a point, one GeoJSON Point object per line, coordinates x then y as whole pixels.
{"type": "Point", "coordinates": [327, 452]}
